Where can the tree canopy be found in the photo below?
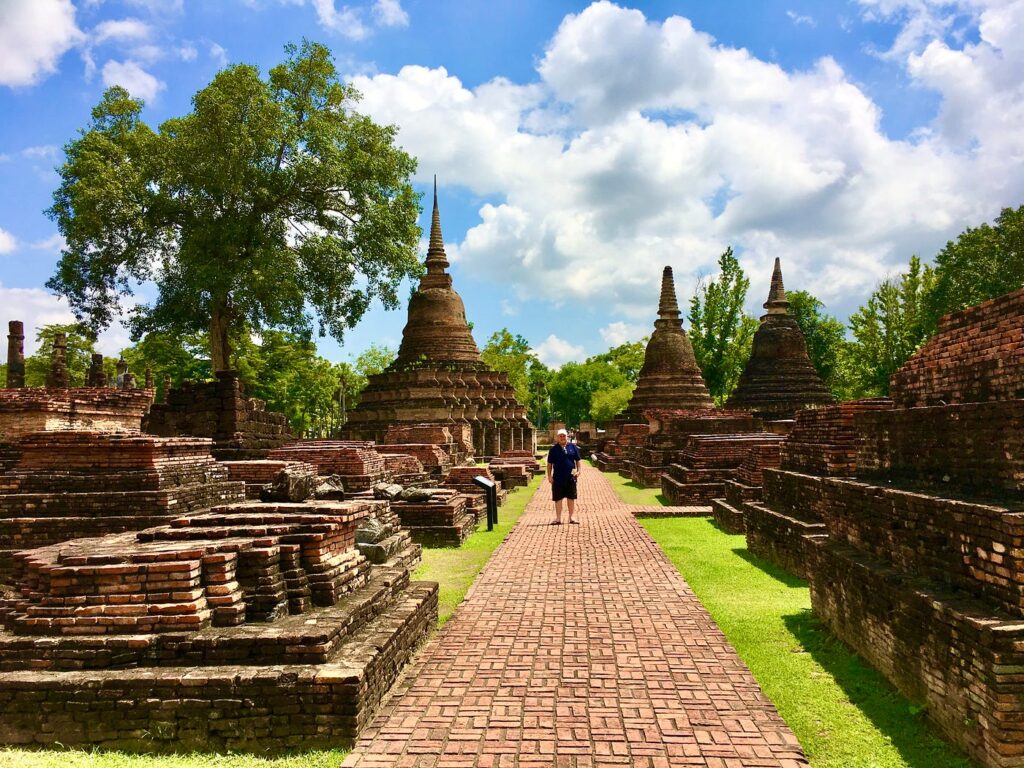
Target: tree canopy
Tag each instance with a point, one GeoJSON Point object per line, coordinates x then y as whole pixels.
{"type": "Point", "coordinates": [271, 202]}
{"type": "Point", "coordinates": [720, 331]}
{"type": "Point", "coordinates": [982, 263]}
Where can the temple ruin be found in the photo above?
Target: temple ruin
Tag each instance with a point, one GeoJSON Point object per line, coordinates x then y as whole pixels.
{"type": "Point", "coordinates": [778, 379]}
{"type": "Point", "coordinates": [904, 517]}
{"type": "Point", "coordinates": [669, 379]}
{"type": "Point", "coordinates": [438, 376]}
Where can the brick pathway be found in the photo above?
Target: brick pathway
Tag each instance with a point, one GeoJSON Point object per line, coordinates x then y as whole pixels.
{"type": "Point", "coordinates": [579, 646]}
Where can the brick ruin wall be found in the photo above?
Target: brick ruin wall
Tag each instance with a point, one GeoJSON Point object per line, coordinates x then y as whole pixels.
{"type": "Point", "coordinates": [240, 426]}
{"type": "Point", "coordinates": [977, 355]}
{"type": "Point", "coordinates": [24, 411]}
{"type": "Point", "coordinates": [920, 570]}
{"type": "Point", "coordinates": [197, 635]}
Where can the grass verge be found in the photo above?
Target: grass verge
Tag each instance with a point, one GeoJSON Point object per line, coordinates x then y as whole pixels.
{"type": "Point", "coordinates": [454, 569]}
{"type": "Point", "coordinates": [845, 714]}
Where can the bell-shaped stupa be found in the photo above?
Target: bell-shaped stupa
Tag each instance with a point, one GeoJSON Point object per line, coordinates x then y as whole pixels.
{"type": "Point", "coordinates": [779, 378]}
{"type": "Point", "coordinates": [438, 376]}
{"type": "Point", "coordinates": [670, 378]}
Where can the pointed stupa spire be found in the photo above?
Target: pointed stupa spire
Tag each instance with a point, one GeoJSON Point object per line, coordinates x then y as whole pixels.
{"type": "Point", "coordinates": [437, 259]}
{"type": "Point", "coordinates": [777, 304]}
{"type": "Point", "coordinates": [668, 306]}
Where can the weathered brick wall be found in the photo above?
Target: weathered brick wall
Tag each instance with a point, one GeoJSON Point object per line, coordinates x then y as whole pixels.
{"type": "Point", "coordinates": [240, 426]}
{"type": "Point", "coordinates": [824, 440]}
{"type": "Point", "coordinates": [974, 547]}
{"type": "Point", "coordinates": [977, 355]}
{"type": "Point", "coordinates": [221, 708]}
{"type": "Point", "coordinates": [357, 462]}
{"type": "Point", "coordinates": [23, 411]}
{"type": "Point", "coordinates": [976, 447]}
{"type": "Point", "coordinates": [961, 664]}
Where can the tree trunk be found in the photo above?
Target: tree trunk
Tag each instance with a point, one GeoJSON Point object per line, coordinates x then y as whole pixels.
{"type": "Point", "coordinates": [220, 346]}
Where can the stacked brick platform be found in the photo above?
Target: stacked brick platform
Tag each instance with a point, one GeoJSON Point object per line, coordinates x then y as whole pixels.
{"type": "Point", "coordinates": [68, 485]}
{"type": "Point", "coordinates": [257, 473]}
{"type": "Point", "coordinates": [707, 463]}
{"type": "Point", "coordinates": [669, 431]}
{"type": "Point", "coordinates": [921, 569]}
{"type": "Point", "coordinates": [514, 469]}
{"type": "Point", "coordinates": [617, 453]}
{"type": "Point", "coordinates": [240, 426]}
{"type": "Point", "coordinates": [404, 469]}
{"type": "Point", "coordinates": [252, 627]}
{"type": "Point", "coordinates": [823, 443]}
{"type": "Point", "coordinates": [456, 440]}
{"type": "Point", "coordinates": [446, 519]}
{"type": "Point", "coordinates": [728, 511]}
{"type": "Point", "coordinates": [357, 462]}
{"type": "Point", "coordinates": [24, 411]}
{"type": "Point", "coordinates": [461, 480]}
{"type": "Point", "coordinates": [434, 460]}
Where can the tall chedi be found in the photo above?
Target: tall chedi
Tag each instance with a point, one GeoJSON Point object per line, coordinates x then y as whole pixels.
{"type": "Point", "coordinates": [670, 377]}
{"type": "Point", "coordinates": [779, 379]}
{"type": "Point", "coordinates": [438, 376]}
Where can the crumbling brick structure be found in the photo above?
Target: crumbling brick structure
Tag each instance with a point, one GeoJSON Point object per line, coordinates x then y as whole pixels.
{"type": "Point", "coordinates": [438, 376]}
{"type": "Point", "coordinates": [240, 426]}
{"type": "Point", "coordinates": [823, 444]}
{"type": "Point", "coordinates": [745, 487]}
{"type": "Point", "coordinates": [707, 462]}
{"type": "Point", "coordinates": [39, 409]}
{"type": "Point", "coordinates": [778, 379]}
{"type": "Point", "coordinates": [72, 484]}
{"type": "Point", "coordinates": [670, 379]}
{"type": "Point", "coordinates": [356, 462]}
{"type": "Point", "coordinates": [916, 563]}
{"type": "Point", "coordinates": [252, 627]}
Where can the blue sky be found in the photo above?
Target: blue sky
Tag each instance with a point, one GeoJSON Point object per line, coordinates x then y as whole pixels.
{"type": "Point", "coordinates": [580, 147]}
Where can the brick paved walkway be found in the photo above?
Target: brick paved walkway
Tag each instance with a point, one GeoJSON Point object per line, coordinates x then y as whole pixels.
{"type": "Point", "coordinates": [579, 646]}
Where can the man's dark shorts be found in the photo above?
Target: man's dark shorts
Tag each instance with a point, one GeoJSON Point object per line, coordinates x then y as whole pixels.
{"type": "Point", "coordinates": [565, 489]}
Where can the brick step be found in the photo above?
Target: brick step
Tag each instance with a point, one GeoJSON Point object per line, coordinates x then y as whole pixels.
{"type": "Point", "coordinates": [727, 517]}
{"type": "Point", "coordinates": [445, 535]}
{"type": "Point", "coordinates": [260, 707]}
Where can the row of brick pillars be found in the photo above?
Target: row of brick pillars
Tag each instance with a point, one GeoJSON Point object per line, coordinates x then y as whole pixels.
{"type": "Point", "coordinates": [57, 377]}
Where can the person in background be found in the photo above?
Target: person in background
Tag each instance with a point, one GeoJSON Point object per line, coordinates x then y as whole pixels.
{"type": "Point", "coordinates": [563, 471]}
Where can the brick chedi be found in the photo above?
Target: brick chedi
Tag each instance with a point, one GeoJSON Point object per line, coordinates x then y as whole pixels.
{"type": "Point", "coordinates": [252, 627]}
{"type": "Point", "coordinates": [778, 379]}
{"type": "Point", "coordinates": [240, 426]}
{"type": "Point", "coordinates": [669, 379]}
{"type": "Point", "coordinates": [438, 376]}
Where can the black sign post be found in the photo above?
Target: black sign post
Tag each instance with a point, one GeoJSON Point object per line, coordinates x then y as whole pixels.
{"type": "Point", "coordinates": [492, 499]}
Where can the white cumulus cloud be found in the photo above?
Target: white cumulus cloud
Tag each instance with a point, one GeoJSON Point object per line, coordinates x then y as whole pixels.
{"type": "Point", "coordinates": [554, 351]}
{"type": "Point", "coordinates": [644, 143]}
{"type": "Point", "coordinates": [7, 241]}
{"type": "Point", "coordinates": [128, 74]}
{"type": "Point", "coordinates": [619, 332]}
{"type": "Point", "coordinates": [390, 13]}
{"type": "Point", "coordinates": [34, 34]}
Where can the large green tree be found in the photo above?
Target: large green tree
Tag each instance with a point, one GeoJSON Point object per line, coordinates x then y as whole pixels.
{"type": "Point", "coordinates": [826, 341]}
{"type": "Point", "coordinates": [272, 204]}
{"type": "Point", "coordinates": [982, 263]}
{"type": "Point", "coordinates": [889, 328]}
{"type": "Point", "coordinates": [627, 357]}
{"type": "Point", "coordinates": [573, 387]}
{"type": "Point", "coordinates": [720, 331]}
{"type": "Point", "coordinates": [80, 346]}
{"type": "Point", "coordinates": [512, 355]}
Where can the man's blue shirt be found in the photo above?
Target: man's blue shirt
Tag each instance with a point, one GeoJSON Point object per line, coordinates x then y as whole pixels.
{"type": "Point", "coordinates": [563, 461]}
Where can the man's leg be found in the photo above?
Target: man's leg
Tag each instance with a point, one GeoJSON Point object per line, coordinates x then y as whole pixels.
{"type": "Point", "coordinates": [558, 511]}
{"type": "Point", "coordinates": [572, 507]}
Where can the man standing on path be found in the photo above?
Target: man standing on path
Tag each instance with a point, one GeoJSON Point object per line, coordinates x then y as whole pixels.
{"type": "Point", "coordinates": [563, 469]}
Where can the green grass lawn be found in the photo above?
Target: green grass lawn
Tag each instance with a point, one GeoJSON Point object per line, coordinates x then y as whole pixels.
{"type": "Point", "coordinates": [843, 712]}
{"type": "Point", "coordinates": [454, 569]}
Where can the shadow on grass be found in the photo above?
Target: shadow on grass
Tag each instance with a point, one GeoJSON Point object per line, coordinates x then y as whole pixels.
{"type": "Point", "coordinates": [903, 723]}
{"type": "Point", "coordinates": [779, 574]}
